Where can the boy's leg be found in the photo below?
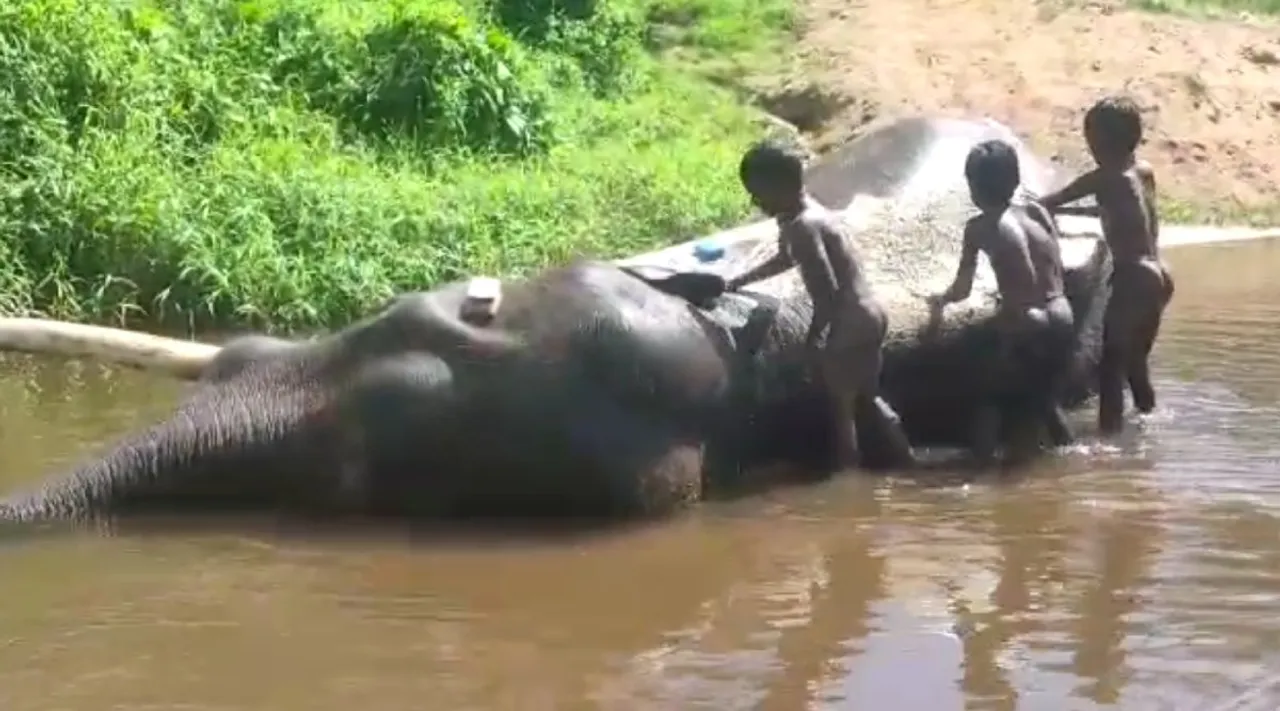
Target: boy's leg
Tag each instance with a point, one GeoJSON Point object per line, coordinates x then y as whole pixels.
{"type": "Point", "coordinates": [984, 433]}
{"type": "Point", "coordinates": [837, 372]}
{"type": "Point", "coordinates": [1055, 421]}
{"type": "Point", "coordinates": [847, 453]}
{"type": "Point", "coordinates": [1002, 382]}
{"type": "Point", "coordinates": [1033, 356]}
{"type": "Point", "coordinates": [1139, 370]}
{"type": "Point", "coordinates": [1121, 338]}
{"type": "Point", "coordinates": [1060, 343]}
{"type": "Point", "coordinates": [1046, 408]}
{"type": "Point", "coordinates": [898, 453]}
{"type": "Point", "coordinates": [1111, 376]}
{"type": "Point", "coordinates": [1167, 278]}
{"type": "Point", "coordinates": [877, 416]}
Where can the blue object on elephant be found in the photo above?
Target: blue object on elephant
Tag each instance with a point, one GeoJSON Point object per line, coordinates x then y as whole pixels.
{"type": "Point", "coordinates": [708, 250]}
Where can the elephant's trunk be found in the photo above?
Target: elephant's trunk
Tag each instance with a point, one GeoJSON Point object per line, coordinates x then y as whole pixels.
{"type": "Point", "coordinates": [226, 447]}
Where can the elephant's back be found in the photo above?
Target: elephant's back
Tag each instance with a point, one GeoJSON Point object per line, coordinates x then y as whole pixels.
{"type": "Point", "coordinates": [916, 159]}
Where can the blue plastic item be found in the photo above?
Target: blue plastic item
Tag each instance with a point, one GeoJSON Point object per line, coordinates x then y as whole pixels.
{"type": "Point", "coordinates": [708, 251]}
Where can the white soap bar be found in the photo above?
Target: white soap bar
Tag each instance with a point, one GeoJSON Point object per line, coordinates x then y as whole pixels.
{"type": "Point", "coordinates": [484, 294]}
{"type": "Point", "coordinates": [484, 289]}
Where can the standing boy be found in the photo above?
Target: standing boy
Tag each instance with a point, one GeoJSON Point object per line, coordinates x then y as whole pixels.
{"type": "Point", "coordinates": [849, 363]}
{"type": "Point", "coordinates": [1035, 321]}
{"type": "Point", "coordinates": [1141, 286]}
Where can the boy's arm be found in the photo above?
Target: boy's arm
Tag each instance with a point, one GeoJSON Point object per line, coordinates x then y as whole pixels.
{"type": "Point", "coordinates": [771, 267]}
{"type": "Point", "coordinates": [962, 285]}
{"type": "Point", "coordinates": [1081, 187]}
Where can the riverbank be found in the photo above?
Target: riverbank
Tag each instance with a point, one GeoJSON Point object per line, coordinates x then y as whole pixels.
{"type": "Point", "coordinates": [285, 164]}
{"type": "Point", "coordinates": [1204, 73]}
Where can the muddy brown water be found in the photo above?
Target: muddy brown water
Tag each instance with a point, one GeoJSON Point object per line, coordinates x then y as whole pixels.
{"type": "Point", "coordinates": [1139, 575]}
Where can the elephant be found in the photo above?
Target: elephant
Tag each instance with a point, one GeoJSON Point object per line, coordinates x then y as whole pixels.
{"type": "Point", "coordinates": [601, 390]}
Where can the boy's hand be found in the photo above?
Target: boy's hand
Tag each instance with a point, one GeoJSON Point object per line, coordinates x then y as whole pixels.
{"type": "Point", "coordinates": [936, 303]}
{"type": "Point", "coordinates": [813, 357]}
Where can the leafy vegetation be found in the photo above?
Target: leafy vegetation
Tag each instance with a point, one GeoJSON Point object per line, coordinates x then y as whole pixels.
{"type": "Point", "coordinates": [293, 163]}
{"type": "Point", "coordinates": [1258, 8]}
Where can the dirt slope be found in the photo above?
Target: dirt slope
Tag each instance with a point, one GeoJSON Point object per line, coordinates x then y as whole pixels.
{"type": "Point", "coordinates": [1210, 89]}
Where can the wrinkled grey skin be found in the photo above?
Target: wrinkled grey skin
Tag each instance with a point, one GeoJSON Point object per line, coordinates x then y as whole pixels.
{"type": "Point", "coordinates": [594, 393]}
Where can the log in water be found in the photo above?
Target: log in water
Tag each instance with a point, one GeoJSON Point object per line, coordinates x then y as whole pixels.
{"type": "Point", "coordinates": [179, 358]}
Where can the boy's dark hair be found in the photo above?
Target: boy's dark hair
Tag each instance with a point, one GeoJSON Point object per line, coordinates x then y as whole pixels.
{"type": "Point", "coordinates": [767, 160]}
{"type": "Point", "coordinates": [1117, 120]}
{"type": "Point", "coordinates": [992, 171]}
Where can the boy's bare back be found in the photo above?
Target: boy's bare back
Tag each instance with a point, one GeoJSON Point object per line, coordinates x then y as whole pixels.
{"type": "Point", "coordinates": [1046, 254]}
{"type": "Point", "coordinates": [1022, 246]}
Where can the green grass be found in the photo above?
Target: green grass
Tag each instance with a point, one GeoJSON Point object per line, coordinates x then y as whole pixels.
{"type": "Point", "coordinates": [1212, 8]}
{"type": "Point", "coordinates": [287, 164]}
{"type": "Point", "coordinates": [1218, 212]}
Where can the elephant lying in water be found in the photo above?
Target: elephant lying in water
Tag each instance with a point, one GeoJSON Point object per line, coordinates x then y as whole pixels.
{"type": "Point", "coordinates": [598, 389]}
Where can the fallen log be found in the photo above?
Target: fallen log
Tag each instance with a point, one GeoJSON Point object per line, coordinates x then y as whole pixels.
{"type": "Point", "coordinates": [173, 356]}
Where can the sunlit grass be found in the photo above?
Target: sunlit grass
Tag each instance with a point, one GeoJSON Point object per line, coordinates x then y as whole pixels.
{"type": "Point", "coordinates": [1212, 7]}
{"type": "Point", "coordinates": [293, 163]}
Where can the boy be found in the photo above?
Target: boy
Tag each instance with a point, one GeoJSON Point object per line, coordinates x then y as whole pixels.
{"type": "Point", "coordinates": [1035, 321]}
{"type": "Point", "coordinates": [809, 238]}
{"type": "Point", "coordinates": [1141, 286]}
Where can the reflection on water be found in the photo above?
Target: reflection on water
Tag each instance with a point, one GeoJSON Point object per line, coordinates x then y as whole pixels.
{"type": "Point", "coordinates": [1139, 575]}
